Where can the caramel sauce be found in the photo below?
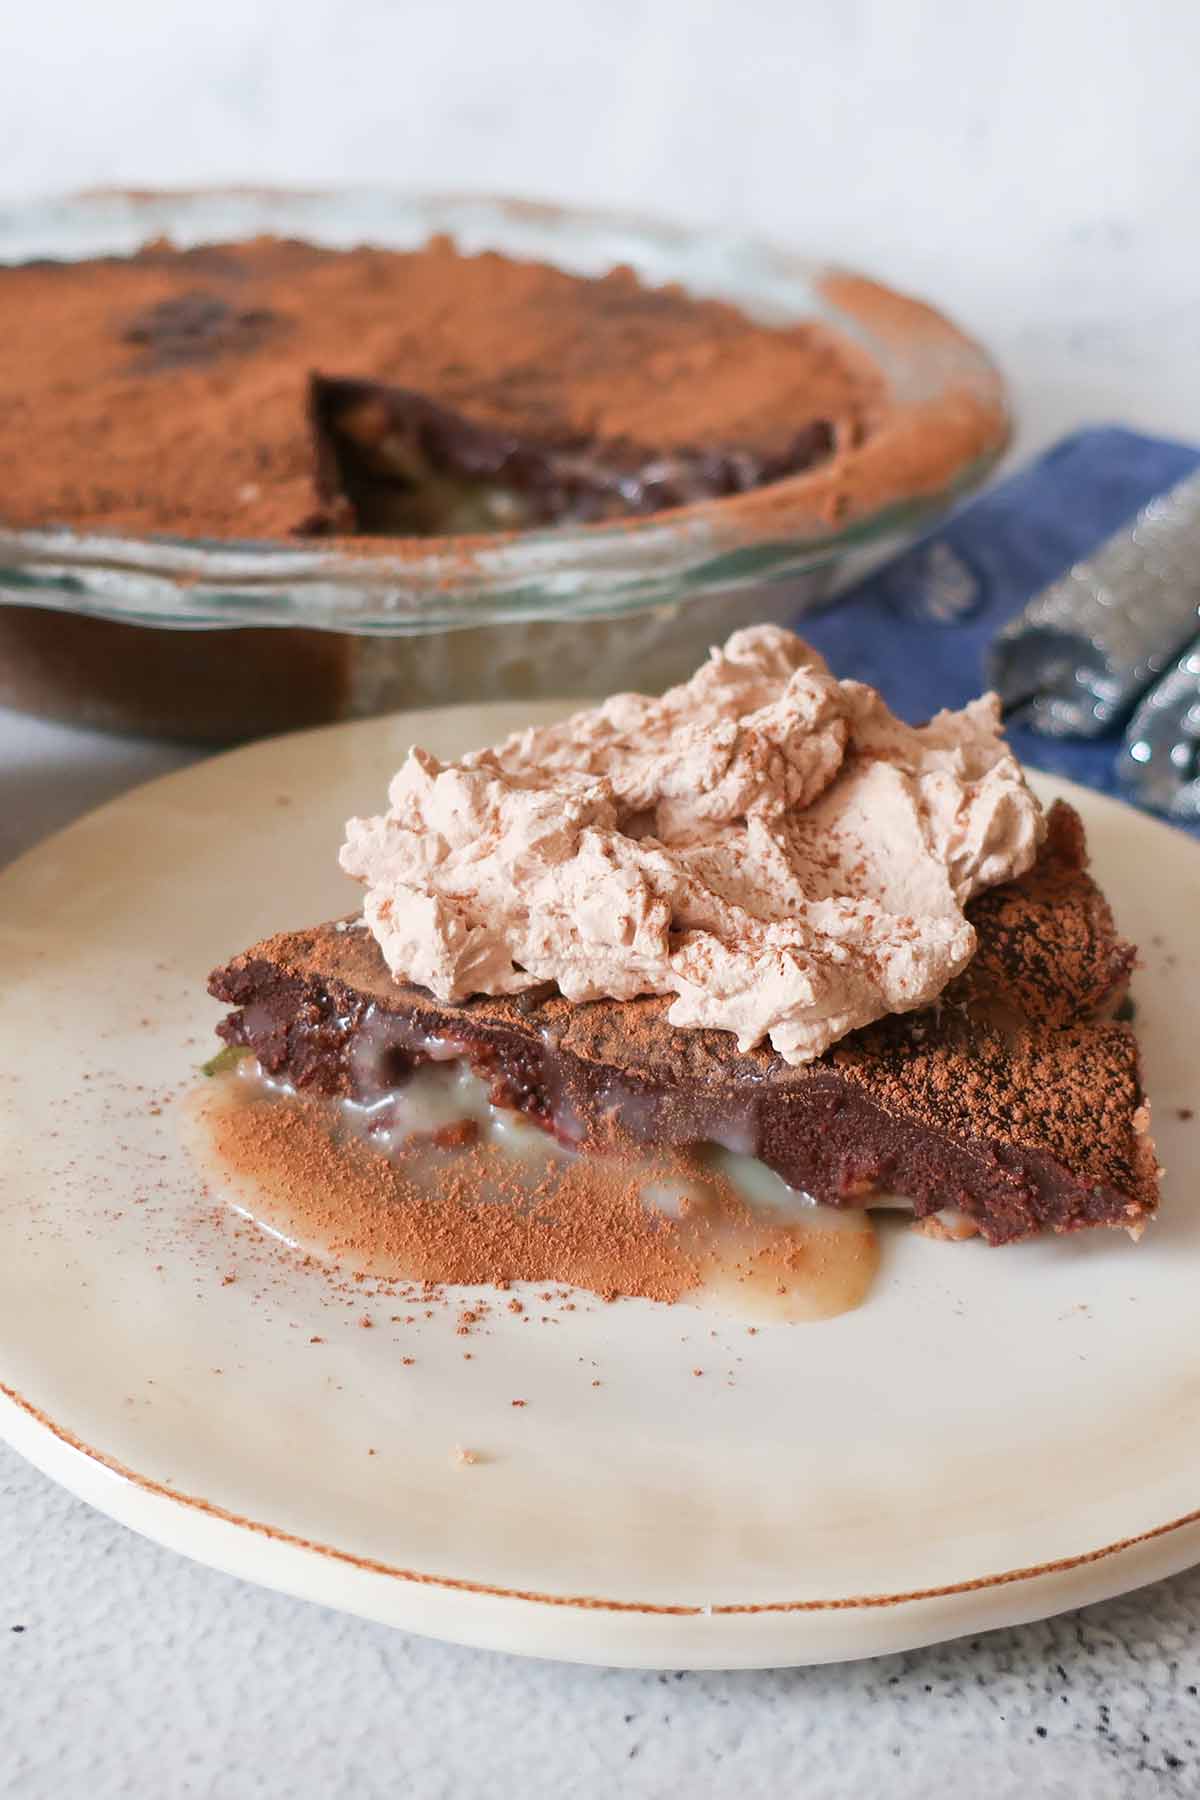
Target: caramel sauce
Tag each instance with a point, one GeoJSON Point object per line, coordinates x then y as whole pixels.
{"type": "Point", "coordinates": [434, 1184]}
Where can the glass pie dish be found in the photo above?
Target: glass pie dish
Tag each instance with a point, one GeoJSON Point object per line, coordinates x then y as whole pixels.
{"type": "Point", "coordinates": [217, 640]}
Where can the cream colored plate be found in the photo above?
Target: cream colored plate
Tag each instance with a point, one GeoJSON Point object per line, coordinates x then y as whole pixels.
{"type": "Point", "coordinates": [994, 1436]}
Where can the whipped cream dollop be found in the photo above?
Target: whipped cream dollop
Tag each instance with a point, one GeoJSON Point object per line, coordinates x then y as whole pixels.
{"type": "Point", "coordinates": [767, 843]}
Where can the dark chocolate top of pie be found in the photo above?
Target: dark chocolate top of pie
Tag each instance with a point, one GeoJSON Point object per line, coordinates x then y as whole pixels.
{"type": "Point", "coordinates": [1016, 1099]}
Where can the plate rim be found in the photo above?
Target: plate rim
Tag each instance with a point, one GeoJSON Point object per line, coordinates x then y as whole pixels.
{"type": "Point", "coordinates": [276, 1534]}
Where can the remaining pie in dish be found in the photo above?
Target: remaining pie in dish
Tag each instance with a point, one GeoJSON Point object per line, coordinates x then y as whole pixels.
{"type": "Point", "coordinates": [266, 389]}
{"type": "Point", "coordinates": [758, 914]}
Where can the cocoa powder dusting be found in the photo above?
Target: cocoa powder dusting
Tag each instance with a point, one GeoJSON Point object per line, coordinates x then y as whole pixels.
{"type": "Point", "coordinates": [366, 1209]}
{"type": "Point", "coordinates": [167, 391]}
{"type": "Point", "coordinates": [588, 1226]}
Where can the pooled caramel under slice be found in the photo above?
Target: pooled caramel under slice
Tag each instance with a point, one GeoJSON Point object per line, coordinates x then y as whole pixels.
{"type": "Point", "coordinates": [434, 1183]}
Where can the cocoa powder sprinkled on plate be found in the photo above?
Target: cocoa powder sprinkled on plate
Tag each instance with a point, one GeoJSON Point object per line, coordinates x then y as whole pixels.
{"type": "Point", "coordinates": [588, 1227]}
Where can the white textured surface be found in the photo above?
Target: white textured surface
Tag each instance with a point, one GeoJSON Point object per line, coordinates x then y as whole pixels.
{"type": "Point", "coordinates": [1034, 167]}
{"type": "Point", "coordinates": [138, 1673]}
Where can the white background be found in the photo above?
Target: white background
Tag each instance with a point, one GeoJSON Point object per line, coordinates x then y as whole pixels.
{"type": "Point", "coordinates": [941, 141]}
{"type": "Point", "coordinates": [1033, 167]}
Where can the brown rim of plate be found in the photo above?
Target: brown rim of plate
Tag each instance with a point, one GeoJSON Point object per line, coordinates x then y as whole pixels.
{"type": "Point", "coordinates": [586, 1602]}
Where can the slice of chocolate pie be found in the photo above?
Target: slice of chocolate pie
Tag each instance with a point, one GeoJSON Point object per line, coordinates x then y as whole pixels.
{"type": "Point", "coordinates": [758, 913]}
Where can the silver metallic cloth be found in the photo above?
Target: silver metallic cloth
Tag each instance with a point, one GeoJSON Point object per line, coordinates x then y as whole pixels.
{"type": "Point", "coordinates": [1076, 661]}
{"type": "Point", "coordinates": [1159, 764]}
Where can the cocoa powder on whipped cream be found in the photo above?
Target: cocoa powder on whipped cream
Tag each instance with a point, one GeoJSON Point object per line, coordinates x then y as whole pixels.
{"type": "Point", "coordinates": [767, 843]}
